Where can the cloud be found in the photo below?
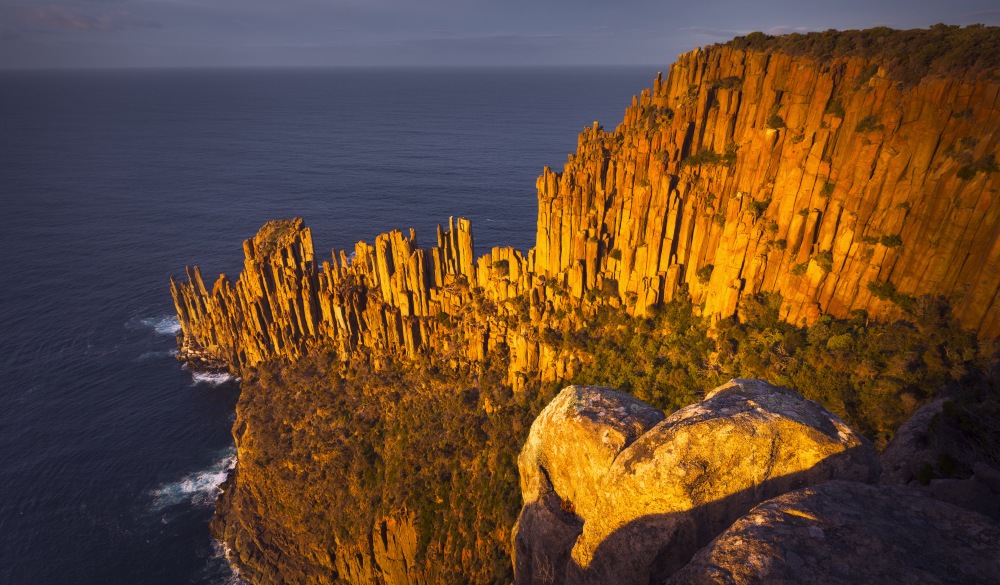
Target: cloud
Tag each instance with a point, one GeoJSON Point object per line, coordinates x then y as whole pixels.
{"type": "Point", "coordinates": [72, 17]}
{"type": "Point", "coordinates": [719, 33]}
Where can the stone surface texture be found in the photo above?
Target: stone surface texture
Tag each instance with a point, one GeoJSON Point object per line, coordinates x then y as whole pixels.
{"type": "Point", "coordinates": [642, 493]}
{"type": "Point", "coordinates": [850, 533]}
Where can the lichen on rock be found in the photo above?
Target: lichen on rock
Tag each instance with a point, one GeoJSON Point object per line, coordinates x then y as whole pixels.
{"type": "Point", "coordinates": [646, 500]}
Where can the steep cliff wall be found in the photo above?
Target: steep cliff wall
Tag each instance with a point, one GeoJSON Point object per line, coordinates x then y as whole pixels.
{"type": "Point", "coordinates": [743, 172]}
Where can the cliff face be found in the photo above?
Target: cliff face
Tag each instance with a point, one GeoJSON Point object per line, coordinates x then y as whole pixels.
{"type": "Point", "coordinates": [742, 172]}
{"type": "Point", "coordinates": [745, 172]}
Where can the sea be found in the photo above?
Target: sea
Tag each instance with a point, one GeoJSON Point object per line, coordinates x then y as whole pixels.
{"type": "Point", "coordinates": [111, 453]}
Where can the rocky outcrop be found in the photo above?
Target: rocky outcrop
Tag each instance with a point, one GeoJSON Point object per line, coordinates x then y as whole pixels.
{"type": "Point", "coordinates": [911, 453]}
{"type": "Point", "coordinates": [850, 533]}
{"type": "Point", "coordinates": [615, 493]}
{"type": "Point", "coordinates": [746, 172]}
{"type": "Point", "coordinates": [930, 454]}
{"type": "Point", "coordinates": [741, 172]}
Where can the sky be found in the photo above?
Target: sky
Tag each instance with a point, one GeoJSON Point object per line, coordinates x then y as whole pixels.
{"type": "Point", "coordinates": [270, 33]}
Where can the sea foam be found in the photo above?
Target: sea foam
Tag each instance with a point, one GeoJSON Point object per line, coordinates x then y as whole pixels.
{"type": "Point", "coordinates": [212, 378]}
{"type": "Point", "coordinates": [200, 488]}
{"type": "Point", "coordinates": [161, 325]}
{"type": "Point", "coordinates": [219, 568]}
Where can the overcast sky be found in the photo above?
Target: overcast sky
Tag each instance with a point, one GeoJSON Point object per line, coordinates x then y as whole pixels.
{"type": "Point", "coordinates": [184, 33]}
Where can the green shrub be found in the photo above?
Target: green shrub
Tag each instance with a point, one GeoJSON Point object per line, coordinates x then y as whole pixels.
{"type": "Point", "coordinates": [731, 82]}
{"type": "Point", "coordinates": [800, 269]}
{"type": "Point", "coordinates": [987, 164]}
{"type": "Point", "coordinates": [775, 122]}
{"type": "Point", "coordinates": [840, 342]}
{"type": "Point", "coordinates": [827, 189]}
{"type": "Point", "coordinates": [893, 241]}
{"type": "Point", "coordinates": [883, 291]}
{"type": "Point", "coordinates": [615, 254]}
{"type": "Point", "coordinates": [835, 108]}
{"type": "Point", "coordinates": [869, 124]}
{"type": "Point", "coordinates": [708, 156]}
{"type": "Point", "coordinates": [759, 207]}
{"type": "Point", "coordinates": [825, 260]}
{"type": "Point", "coordinates": [705, 273]}
{"type": "Point", "coordinates": [906, 55]}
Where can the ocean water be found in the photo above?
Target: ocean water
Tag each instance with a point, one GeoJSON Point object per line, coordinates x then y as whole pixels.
{"type": "Point", "coordinates": [110, 181]}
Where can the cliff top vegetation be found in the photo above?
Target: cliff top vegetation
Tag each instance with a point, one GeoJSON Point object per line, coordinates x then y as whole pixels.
{"type": "Point", "coordinates": [907, 55]}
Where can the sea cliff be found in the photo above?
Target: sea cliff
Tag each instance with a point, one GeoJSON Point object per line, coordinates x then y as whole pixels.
{"type": "Point", "coordinates": [825, 191]}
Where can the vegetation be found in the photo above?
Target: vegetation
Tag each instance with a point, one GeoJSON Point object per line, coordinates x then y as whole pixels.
{"type": "Point", "coordinates": [891, 241]}
{"type": "Point", "coordinates": [906, 55]}
{"type": "Point", "coordinates": [775, 122]}
{"type": "Point", "coordinates": [987, 164]}
{"type": "Point", "coordinates": [759, 207]}
{"type": "Point", "coordinates": [869, 124]}
{"type": "Point", "coordinates": [708, 156]}
{"type": "Point", "coordinates": [873, 375]}
{"type": "Point", "coordinates": [439, 442]}
{"type": "Point", "coordinates": [825, 260]}
{"type": "Point", "coordinates": [835, 108]}
{"type": "Point", "coordinates": [732, 82]}
{"type": "Point", "coordinates": [406, 440]}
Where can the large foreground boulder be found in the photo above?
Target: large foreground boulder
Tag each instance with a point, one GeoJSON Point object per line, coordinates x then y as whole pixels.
{"type": "Point", "coordinates": [850, 533]}
{"type": "Point", "coordinates": [616, 493]}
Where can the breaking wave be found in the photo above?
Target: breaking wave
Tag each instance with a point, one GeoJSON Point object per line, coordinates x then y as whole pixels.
{"type": "Point", "coordinates": [151, 355]}
{"type": "Point", "coordinates": [162, 325]}
{"type": "Point", "coordinates": [219, 570]}
{"type": "Point", "coordinates": [213, 378]}
{"type": "Point", "coordinates": [199, 489]}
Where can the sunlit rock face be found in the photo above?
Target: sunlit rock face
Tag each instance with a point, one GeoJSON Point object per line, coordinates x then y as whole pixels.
{"type": "Point", "coordinates": [615, 493]}
{"type": "Point", "coordinates": [851, 533]}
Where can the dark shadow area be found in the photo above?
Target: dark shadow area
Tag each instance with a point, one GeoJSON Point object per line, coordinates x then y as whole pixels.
{"type": "Point", "coordinates": [651, 548]}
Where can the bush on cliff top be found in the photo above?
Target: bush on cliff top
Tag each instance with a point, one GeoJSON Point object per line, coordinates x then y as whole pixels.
{"type": "Point", "coordinates": [907, 55]}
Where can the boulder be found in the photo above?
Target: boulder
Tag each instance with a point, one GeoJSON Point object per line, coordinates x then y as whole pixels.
{"type": "Point", "coordinates": [632, 496]}
{"type": "Point", "coordinates": [911, 453]}
{"type": "Point", "coordinates": [851, 533]}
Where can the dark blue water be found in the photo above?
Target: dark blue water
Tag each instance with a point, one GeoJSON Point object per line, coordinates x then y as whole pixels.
{"type": "Point", "coordinates": [110, 453]}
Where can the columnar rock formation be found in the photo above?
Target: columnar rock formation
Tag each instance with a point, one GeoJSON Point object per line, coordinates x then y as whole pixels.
{"type": "Point", "coordinates": [745, 172]}
{"type": "Point", "coordinates": [742, 172]}
{"type": "Point", "coordinates": [615, 493]}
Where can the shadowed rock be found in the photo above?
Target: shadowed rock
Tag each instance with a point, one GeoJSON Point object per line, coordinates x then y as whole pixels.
{"type": "Point", "coordinates": [851, 533]}
{"type": "Point", "coordinates": [641, 496]}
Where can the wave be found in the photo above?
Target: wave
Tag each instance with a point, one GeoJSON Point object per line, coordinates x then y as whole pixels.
{"type": "Point", "coordinates": [213, 378]}
{"type": "Point", "coordinates": [198, 489]}
{"type": "Point", "coordinates": [219, 570]}
{"type": "Point", "coordinates": [161, 325]}
{"type": "Point", "coordinates": [151, 355]}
